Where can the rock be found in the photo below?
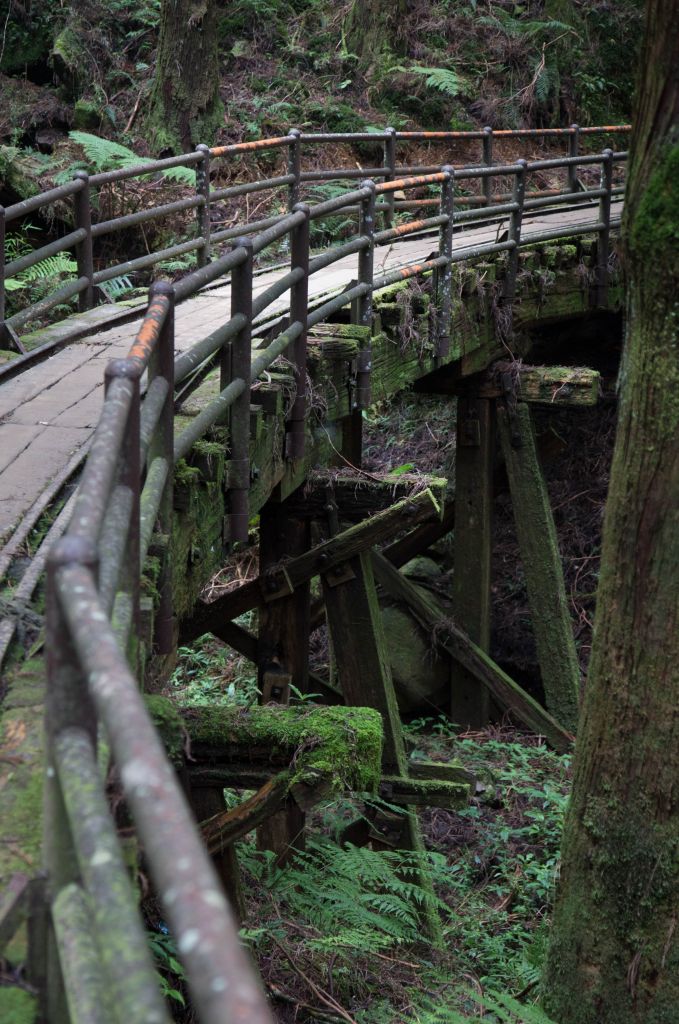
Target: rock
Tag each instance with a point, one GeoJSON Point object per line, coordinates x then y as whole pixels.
{"type": "Point", "coordinates": [86, 115]}
{"type": "Point", "coordinates": [420, 675]}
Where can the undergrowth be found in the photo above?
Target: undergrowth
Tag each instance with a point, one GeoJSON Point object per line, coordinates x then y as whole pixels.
{"type": "Point", "coordinates": [339, 925]}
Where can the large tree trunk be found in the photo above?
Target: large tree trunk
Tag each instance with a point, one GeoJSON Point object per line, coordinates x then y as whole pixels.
{"type": "Point", "coordinates": [185, 106]}
{"type": "Point", "coordinates": [614, 955]}
{"type": "Point", "coordinates": [374, 27]}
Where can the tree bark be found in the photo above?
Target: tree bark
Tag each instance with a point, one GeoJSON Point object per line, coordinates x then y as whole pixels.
{"type": "Point", "coordinates": [614, 954]}
{"type": "Point", "coordinates": [185, 104]}
{"type": "Point", "coordinates": [374, 27]}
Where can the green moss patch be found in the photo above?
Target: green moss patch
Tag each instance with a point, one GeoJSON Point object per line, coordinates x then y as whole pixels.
{"type": "Point", "coordinates": [340, 745]}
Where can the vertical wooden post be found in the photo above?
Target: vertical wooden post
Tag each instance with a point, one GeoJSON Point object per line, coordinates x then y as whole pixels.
{"type": "Point", "coordinates": [206, 802]}
{"type": "Point", "coordinates": [283, 656]}
{"type": "Point", "coordinates": [360, 651]}
{"type": "Point", "coordinates": [542, 565]}
{"type": "Point", "coordinates": [469, 705]}
{"type": "Point", "coordinates": [283, 640]}
{"type": "Point", "coordinates": [362, 313]}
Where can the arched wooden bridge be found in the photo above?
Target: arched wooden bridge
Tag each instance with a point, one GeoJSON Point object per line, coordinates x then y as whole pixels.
{"type": "Point", "coordinates": [124, 393]}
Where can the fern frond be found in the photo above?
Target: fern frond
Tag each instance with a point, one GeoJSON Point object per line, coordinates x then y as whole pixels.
{"type": "Point", "coordinates": [52, 266]}
{"type": "Point", "coordinates": [105, 155]}
{"type": "Point", "coordinates": [442, 79]}
{"type": "Point", "coordinates": [514, 28]}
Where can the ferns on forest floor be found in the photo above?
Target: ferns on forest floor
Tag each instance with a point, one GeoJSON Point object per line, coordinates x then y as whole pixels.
{"type": "Point", "coordinates": [346, 917]}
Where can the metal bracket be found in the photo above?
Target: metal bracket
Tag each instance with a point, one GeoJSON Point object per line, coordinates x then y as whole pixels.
{"type": "Point", "coordinates": [275, 684]}
{"type": "Point", "coordinates": [342, 573]}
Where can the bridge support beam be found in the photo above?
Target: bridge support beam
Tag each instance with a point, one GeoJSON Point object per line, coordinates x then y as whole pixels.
{"type": "Point", "coordinates": [541, 559]}
{"type": "Point", "coordinates": [469, 702]}
{"type": "Point", "coordinates": [359, 648]}
{"type": "Point", "coordinates": [283, 655]}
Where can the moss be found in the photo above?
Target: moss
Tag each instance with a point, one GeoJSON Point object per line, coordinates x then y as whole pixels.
{"type": "Point", "coordinates": [170, 725]}
{"type": "Point", "coordinates": [86, 115]}
{"type": "Point", "coordinates": [17, 1006]}
{"type": "Point", "coordinates": [655, 227]}
{"type": "Point", "coordinates": [185, 475]}
{"type": "Point", "coordinates": [341, 745]}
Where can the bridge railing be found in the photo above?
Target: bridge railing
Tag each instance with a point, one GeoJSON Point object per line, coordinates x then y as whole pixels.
{"type": "Point", "coordinates": [99, 958]}
{"type": "Point", "coordinates": [94, 627]}
{"type": "Point", "coordinates": [84, 194]}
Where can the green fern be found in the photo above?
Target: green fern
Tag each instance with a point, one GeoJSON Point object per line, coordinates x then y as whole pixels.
{"type": "Point", "coordinates": [442, 79]}
{"type": "Point", "coordinates": [105, 155]}
{"type": "Point", "coordinates": [515, 28]}
{"type": "Point", "coordinates": [45, 270]}
{"type": "Point", "coordinates": [497, 1007]}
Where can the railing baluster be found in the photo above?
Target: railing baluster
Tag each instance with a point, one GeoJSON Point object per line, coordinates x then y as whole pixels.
{"type": "Point", "coordinates": [365, 302]}
{"type": "Point", "coordinates": [130, 477]}
{"type": "Point", "coordinates": [241, 358]}
{"type": "Point", "coordinates": [603, 241]}
{"type": "Point", "coordinates": [514, 233]}
{"type": "Point", "coordinates": [487, 183]}
{"type": "Point", "coordinates": [294, 167]}
{"type": "Point", "coordinates": [161, 364]}
{"type": "Point", "coordinates": [444, 275]}
{"type": "Point", "coordinates": [67, 703]}
{"type": "Point", "coordinates": [3, 330]}
{"type": "Point", "coordinates": [574, 151]}
{"type": "Point", "coordinates": [299, 307]}
{"type": "Point", "coordinates": [390, 173]}
{"type": "Point", "coordinates": [84, 250]}
{"type": "Point", "coordinates": [203, 212]}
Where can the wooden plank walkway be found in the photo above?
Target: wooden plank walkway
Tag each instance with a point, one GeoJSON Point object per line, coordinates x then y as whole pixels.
{"type": "Point", "coordinates": [48, 412]}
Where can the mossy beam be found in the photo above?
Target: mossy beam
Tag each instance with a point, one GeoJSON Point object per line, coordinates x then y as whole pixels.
{"type": "Point", "coordinates": [541, 559]}
{"type": "Point", "coordinates": [419, 508]}
{"type": "Point", "coordinates": [502, 688]}
{"type": "Point", "coordinates": [358, 496]}
{"type": "Point", "coordinates": [425, 792]}
{"type": "Point", "coordinates": [545, 385]}
{"type": "Point", "coordinates": [228, 826]}
{"type": "Point", "coordinates": [340, 745]}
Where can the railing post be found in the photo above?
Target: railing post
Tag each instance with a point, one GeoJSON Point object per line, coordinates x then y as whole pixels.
{"type": "Point", "coordinates": [444, 282]}
{"type": "Point", "coordinates": [299, 306]}
{"type": "Point", "coordinates": [203, 212]}
{"type": "Point", "coordinates": [487, 183]}
{"type": "Point", "coordinates": [390, 173]}
{"type": "Point", "coordinates": [573, 151]}
{"type": "Point", "coordinates": [294, 167]}
{"type": "Point", "coordinates": [514, 233]}
{"type": "Point", "coordinates": [161, 364]}
{"type": "Point", "coordinates": [2, 275]}
{"type": "Point", "coordinates": [364, 311]}
{"type": "Point", "coordinates": [67, 704]}
{"type": "Point", "coordinates": [603, 240]}
{"type": "Point", "coordinates": [84, 251]}
{"type": "Point", "coordinates": [130, 477]}
{"type": "Point", "coordinates": [241, 359]}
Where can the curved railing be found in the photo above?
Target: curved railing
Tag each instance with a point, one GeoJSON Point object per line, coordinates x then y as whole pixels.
{"type": "Point", "coordinates": [84, 192]}
{"type": "Point", "coordinates": [125, 497]}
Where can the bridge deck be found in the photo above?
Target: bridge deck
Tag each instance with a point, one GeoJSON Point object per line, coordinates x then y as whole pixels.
{"type": "Point", "coordinates": [48, 412]}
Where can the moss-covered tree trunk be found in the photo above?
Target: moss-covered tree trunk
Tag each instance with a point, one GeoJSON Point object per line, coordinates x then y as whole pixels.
{"type": "Point", "coordinates": [185, 105]}
{"type": "Point", "coordinates": [614, 954]}
{"type": "Point", "coordinates": [373, 27]}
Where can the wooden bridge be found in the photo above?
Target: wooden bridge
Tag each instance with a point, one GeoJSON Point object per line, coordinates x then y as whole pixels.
{"type": "Point", "coordinates": [215, 402]}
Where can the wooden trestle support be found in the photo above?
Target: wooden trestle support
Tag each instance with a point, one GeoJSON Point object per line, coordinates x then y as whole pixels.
{"type": "Point", "coordinates": [335, 528]}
